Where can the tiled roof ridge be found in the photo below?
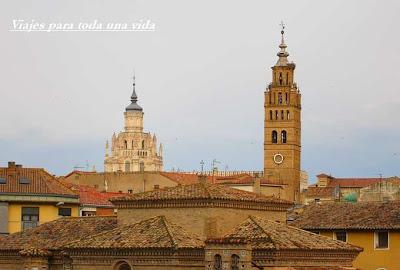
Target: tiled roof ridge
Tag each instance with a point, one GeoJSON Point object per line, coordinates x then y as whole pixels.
{"type": "Point", "coordinates": [253, 219]}
{"type": "Point", "coordinates": [169, 232]}
{"type": "Point", "coordinates": [206, 190]}
{"type": "Point", "coordinates": [212, 191]}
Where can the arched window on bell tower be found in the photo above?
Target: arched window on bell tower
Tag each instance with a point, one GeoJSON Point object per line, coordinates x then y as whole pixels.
{"type": "Point", "coordinates": [280, 78]}
{"type": "Point", "coordinates": [276, 115]}
{"type": "Point", "coordinates": [270, 115]}
{"type": "Point", "coordinates": [287, 115]}
{"type": "Point", "coordinates": [143, 145]}
{"type": "Point", "coordinates": [282, 115]}
{"type": "Point", "coordinates": [274, 136]}
{"type": "Point", "coordinates": [126, 144]}
{"type": "Point", "coordinates": [287, 78]}
{"type": "Point", "coordinates": [279, 98]}
{"type": "Point", "coordinates": [283, 135]}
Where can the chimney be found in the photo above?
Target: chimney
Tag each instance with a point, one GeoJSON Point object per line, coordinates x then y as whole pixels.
{"type": "Point", "coordinates": [11, 164]}
{"type": "Point", "coordinates": [257, 183]}
{"type": "Point", "coordinates": [202, 178]}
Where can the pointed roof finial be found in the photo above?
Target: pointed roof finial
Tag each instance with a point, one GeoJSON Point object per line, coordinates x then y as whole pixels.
{"type": "Point", "coordinates": [134, 106]}
{"type": "Point", "coordinates": [283, 54]}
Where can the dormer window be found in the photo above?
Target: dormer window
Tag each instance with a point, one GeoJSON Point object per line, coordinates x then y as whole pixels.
{"type": "Point", "coordinates": [24, 181]}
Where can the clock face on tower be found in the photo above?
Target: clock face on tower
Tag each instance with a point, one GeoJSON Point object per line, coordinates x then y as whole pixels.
{"type": "Point", "coordinates": [278, 158]}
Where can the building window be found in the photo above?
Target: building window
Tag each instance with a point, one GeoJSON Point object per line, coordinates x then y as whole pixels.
{"type": "Point", "coordinates": [64, 212]}
{"type": "Point", "coordinates": [122, 266]}
{"type": "Point", "coordinates": [279, 98]}
{"type": "Point", "coordinates": [130, 191]}
{"type": "Point", "coordinates": [287, 78]}
{"type": "Point", "coordinates": [127, 166]}
{"type": "Point", "coordinates": [274, 136]}
{"type": "Point", "coordinates": [217, 262]}
{"type": "Point", "coordinates": [286, 98]}
{"type": "Point", "coordinates": [24, 181]}
{"type": "Point", "coordinates": [126, 144]}
{"type": "Point", "coordinates": [29, 217]}
{"type": "Point", "coordinates": [283, 135]}
{"type": "Point", "coordinates": [143, 145]}
{"type": "Point", "coordinates": [280, 78]}
{"type": "Point", "coordinates": [382, 240]}
{"type": "Point", "coordinates": [235, 262]}
{"type": "Point", "coordinates": [276, 115]}
{"type": "Point", "coordinates": [341, 236]}
{"type": "Point", "coordinates": [141, 166]}
{"type": "Point", "coordinates": [287, 115]}
{"type": "Point", "coordinates": [282, 115]}
{"type": "Point", "coordinates": [88, 213]}
{"type": "Point", "coordinates": [3, 181]}
{"type": "Point", "coordinates": [270, 115]}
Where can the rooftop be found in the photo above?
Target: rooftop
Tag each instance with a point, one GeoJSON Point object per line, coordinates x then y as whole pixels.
{"type": "Point", "coordinates": [155, 232]}
{"type": "Point", "coordinates": [267, 234]}
{"type": "Point", "coordinates": [89, 196]}
{"type": "Point", "coordinates": [54, 235]}
{"type": "Point", "coordinates": [349, 216]}
{"type": "Point", "coordinates": [200, 191]}
{"type": "Point", "coordinates": [17, 180]}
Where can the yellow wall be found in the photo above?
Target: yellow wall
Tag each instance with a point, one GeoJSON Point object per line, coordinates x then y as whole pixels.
{"type": "Point", "coordinates": [47, 212]}
{"type": "Point", "coordinates": [371, 259]}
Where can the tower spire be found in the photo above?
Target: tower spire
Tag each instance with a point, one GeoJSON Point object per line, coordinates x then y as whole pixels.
{"type": "Point", "coordinates": [282, 54]}
{"type": "Point", "coordinates": [134, 106]}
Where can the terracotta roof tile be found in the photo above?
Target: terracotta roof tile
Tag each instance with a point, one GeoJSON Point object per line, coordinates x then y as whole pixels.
{"type": "Point", "coordinates": [54, 234]}
{"type": "Point", "coordinates": [184, 178]}
{"type": "Point", "coordinates": [199, 191]}
{"type": "Point", "coordinates": [266, 234]}
{"type": "Point", "coordinates": [188, 178]}
{"type": "Point", "coordinates": [155, 232]}
{"type": "Point", "coordinates": [38, 181]}
{"type": "Point", "coordinates": [351, 216]}
{"type": "Point", "coordinates": [89, 196]}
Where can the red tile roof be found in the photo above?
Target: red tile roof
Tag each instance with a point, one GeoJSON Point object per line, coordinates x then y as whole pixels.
{"type": "Point", "coordinates": [38, 182]}
{"type": "Point", "coordinates": [89, 196]}
{"type": "Point", "coordinates": [155, 232]}
{"type": "Point", "coordinates": [184, 178]}
{"type": "Point", "coordinates": [188, 178]}
{"type": "Point", "coordinates": [351, 216]}
{"type": "Point", "coordinates": [266, 234]}
{"type": "Point", "coordinates": [200, 191]}
{"type": "Point", "coordinates": [55, 234]}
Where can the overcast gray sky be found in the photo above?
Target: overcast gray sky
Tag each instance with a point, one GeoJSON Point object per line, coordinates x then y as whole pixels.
{"type": "Point", "coordinates": [200, 78]}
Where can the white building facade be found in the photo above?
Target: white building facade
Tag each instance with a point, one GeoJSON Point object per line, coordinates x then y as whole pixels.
{"type": "Point", "coordinates": [133, 150]}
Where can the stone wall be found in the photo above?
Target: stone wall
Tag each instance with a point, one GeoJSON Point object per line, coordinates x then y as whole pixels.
{"type": "Point", "coordinates": [208, 222]}
{"type": "Point", "coordinates": [121, 182]}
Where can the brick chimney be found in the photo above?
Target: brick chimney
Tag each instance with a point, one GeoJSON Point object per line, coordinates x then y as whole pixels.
{"type": "Point", "coordinates": [11, 165]}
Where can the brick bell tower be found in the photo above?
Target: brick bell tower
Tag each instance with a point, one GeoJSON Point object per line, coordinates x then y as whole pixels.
{"type": "Point", "coordinates": [282, 128]}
